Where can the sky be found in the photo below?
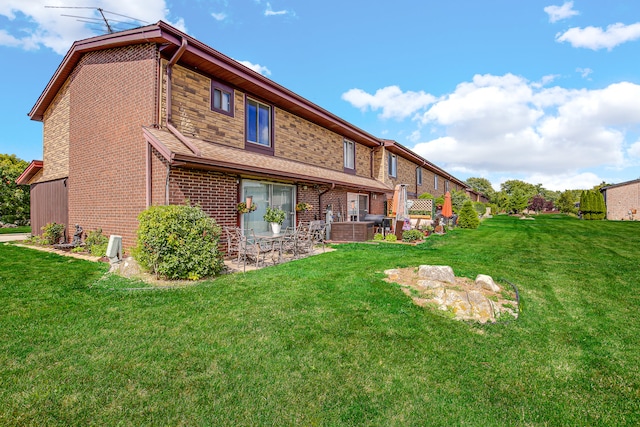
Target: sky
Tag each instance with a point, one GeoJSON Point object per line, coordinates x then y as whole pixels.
{"type": "Point", "coordinates": [543, 91]}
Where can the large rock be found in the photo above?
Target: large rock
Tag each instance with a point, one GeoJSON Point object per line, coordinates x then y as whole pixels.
{"type": "Point", "coordinates": [441, 273]}
{"type": "Point", "coordinates": [486, 282]}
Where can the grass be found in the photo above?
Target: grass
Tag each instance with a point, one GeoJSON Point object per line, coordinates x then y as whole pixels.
{"type": "Point", "coordinates": [22, 229]}
{"type": "Point", "coordinates": [325, 341]}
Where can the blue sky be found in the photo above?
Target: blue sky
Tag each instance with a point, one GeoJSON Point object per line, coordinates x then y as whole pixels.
{"type": "Point", "coordinates": [543, 91]}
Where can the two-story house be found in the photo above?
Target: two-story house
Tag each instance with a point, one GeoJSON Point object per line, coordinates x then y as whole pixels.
{"type": "Point", "coordinates": [153, 116]}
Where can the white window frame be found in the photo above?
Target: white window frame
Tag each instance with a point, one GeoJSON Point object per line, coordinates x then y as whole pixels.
{"type": "Point", "coordinates": [419, 176]}
{"type": "Point", "coordinates": [435, 182]}
{"type": "Point", "coordinates": [349, 152]}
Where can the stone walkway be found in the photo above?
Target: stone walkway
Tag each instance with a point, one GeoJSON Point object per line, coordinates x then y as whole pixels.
{"type": "Point", "coordinates": [12, 237]}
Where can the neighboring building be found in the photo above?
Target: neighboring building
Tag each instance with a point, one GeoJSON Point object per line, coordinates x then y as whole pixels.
{"type": "Point", "coordinates": [623, 200]}
{"type": "Point", "coordinates": [153, 116]}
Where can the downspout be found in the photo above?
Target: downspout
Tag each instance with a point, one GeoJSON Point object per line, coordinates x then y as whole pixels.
{"type": "Point", "coordinates": [166, 185]}
{"type": "Point", "coordinates": [333, 185]}
{"type": "Point", "coordinates": [328, 229]}
{"type": "Point", "coordinates": [148, 177]}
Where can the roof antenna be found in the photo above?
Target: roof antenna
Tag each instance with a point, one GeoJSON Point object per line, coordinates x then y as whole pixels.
{"type": "Point", "coordinates": [108, 22]}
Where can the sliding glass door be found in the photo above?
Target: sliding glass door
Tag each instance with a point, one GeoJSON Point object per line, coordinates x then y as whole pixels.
{"type": "Point", "coordinates": [268, 194]}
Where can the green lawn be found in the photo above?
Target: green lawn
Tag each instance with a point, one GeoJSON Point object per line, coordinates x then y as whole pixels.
{"type": "Point", "coordinates": [325, 341]}
{"type": "Point", "coordinates": [23, 229]}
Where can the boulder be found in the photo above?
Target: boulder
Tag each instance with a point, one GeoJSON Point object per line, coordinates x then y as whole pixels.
{"type": "Point", "coordinates": [486, 282]}
{"type": "Point", "coordinates": [393, 274]}
{"type": "Point", "coordinates": [440, 273]}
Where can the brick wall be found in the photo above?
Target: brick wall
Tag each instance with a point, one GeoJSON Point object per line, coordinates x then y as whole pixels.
{"type": "Point", "coordinates": [620, 200]}
{"type": "Point", "coordinates": [112, 94]}
{"type": "Point", "coordinates": [191, 109]}
{"type": "Point", "coordinates": [215, 192]}
{"type": "Point", "coordinates": [55, 154]}
{"type": "Point", "coordinates": [158, 178]}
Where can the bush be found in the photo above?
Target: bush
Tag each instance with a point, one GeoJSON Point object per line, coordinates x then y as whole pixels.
{"type": "Point", "coordinates": [425, 196]}
{"type": "Point", "coordinates": [390, 237]}
{"type": "Point", "coordinates": [96, 243]}
{"type": "Point", "coordinates": [378, 236]}
{"type": "Point", "coordinates": [468, 217]}
{"type": "Point", "coordinates": [52, 233]}
{"type": "Point", "coordinates": [178, 242]}
{"type": "Point", "coordinates": [412, 235]}
{"type": "Point", "coordinates": [480, 208]}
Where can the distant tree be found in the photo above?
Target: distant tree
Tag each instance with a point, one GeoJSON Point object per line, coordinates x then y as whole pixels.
{"type": "Point", "coordinates": [510, 186]}
{"type": "Point", "coordinates": [549, 205]}
{"type": "Point", "coordinates": [536, 203]}
{"type": "Point", "coordinates": [14, 198]}
{"type": "Point", "coordinates": [592, 205]}
{"type": "Point", "coordinates": [517, 201]}
{"type": "Point", "coordinates": [501, 200]}
{"type": "Point", "coordinates": [567, 201]}
{"type": "Point", "coordinates": [482, 185]}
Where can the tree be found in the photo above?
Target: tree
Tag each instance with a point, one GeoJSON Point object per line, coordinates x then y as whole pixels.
{"type": "Point", "coordinates": [513, 185]}
{"type": "Point", "coordinates": [14, 198]}
{"type": "Point", "coordinates": [536, 203]}
{"type": "Point", "coordinates": [468, 217]}
{"type": "Point", "coordinates": [517, 201]}
{"type": "Point", "coordinates": [458, 199]}
{"type": "Point", "coordinates": [567, 201]}
{"type": "Point", "coordinates": [482, 185]}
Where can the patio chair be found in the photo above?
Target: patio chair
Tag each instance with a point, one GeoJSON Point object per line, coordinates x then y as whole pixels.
{"type": "Point", "coordinates": [249, 249]}
{"type": "Point", "coordinates": [232, 241]}
{"type": "Point", "coordinates": [318, 232]}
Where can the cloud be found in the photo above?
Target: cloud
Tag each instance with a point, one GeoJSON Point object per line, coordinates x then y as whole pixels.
{"type": "Point", "coordinates": [270, 12]}
{"type": "Point", "coordinates": [585, 72]}
{"type": "Point", "coordinates": [219, 16]}
{"type": "Point", "coordinates": [558, 13]}
{"type": "Point", "coordinates": [505, 124]}
{"type": "Point", "coordinates": [391, 100]}
{"type": "Point", "coordinates": [596, 38]}
{"type": "Point", "coordinates": [34, 26]}
{"type": "Point", "coordinates": [634, 150]}
{"type": "Point", "coordinates": [257, 68]}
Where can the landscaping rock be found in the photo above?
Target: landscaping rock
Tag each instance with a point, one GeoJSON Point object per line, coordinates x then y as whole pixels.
{"type": "Point", "coordinates": [486, 282]}
{"type": "Point", "coordinates": [441, 273]}
{"type": "Point", "coordinates": [481, 300]}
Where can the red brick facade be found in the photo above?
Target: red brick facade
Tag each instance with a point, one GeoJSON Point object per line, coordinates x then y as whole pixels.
{"type": "Point", "coordinates": [623, 201]}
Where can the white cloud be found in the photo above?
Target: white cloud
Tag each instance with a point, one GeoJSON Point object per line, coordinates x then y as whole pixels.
{"type": "Point", "coordinates": [558, 13]}
{"type": "Point", "coordinates": [585, 72]}
{"type": "Point", "coordinates": [634, 150]}
{"type": "Point", "coordinates": [505, 124]}
{"type": "Point", "coordinates": [596, 38]}
{"type": "Point", "coordinates": [391, 100]}
{"type": "Point", "coordinates": [219, 16]}
{"type": "Point", "coordinates": [270, 12]}
{"type": "Point", "coordinates": [41, 26]}
{"type": "Point", "coordinates": [257, 68]}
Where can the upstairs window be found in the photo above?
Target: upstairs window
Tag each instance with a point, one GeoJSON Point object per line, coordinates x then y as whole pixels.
{"type": "Point", "coordinates": [221, 98]}
{"type": "Point", "coordinates": [435, 182]}
{"type": "Point", "coordinates": [446, 185]}
{"type": "Point", "coordinates": [258, 118]}
{"type": "Point", "coordinates": [419, 176]}
{"type": "Point", "coordinates": [393, 165]}
{"type": "Point", "coordinates": [349, 155]}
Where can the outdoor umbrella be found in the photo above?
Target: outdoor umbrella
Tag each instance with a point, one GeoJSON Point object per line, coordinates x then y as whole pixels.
{"type": "Point", "coordinates": [447, 211]}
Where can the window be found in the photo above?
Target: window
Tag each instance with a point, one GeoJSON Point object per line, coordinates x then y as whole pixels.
{"type": "Point", "coordinates": [419, 176]}
{"type": "Point", "coordinates": [258, 123]}
{"type": "Point", "coordinates": [393, 165]}
{"type": "Point", "coordinates": [268, 194]}
{"type": "Point", "coordinates": [349, 154]}
{"type": "Point", "coordinates": [221, 98]}
{"type": "Point", "coordinates": [446, 185]}
{"type": "Point", "coordinates": [435, 182]}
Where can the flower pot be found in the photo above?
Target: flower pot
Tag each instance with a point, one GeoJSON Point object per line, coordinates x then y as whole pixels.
{"type": "Point", "coordinates": [275, 227]}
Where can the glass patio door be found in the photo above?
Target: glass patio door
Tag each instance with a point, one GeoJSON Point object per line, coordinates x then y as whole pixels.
{"type": "Point", "coordinates": [358, 206]}
{"type": "Point", "coordinates": [267, 194]}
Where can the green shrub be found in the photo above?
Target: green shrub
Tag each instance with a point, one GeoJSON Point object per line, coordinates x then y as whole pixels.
{"type": "Point", "coordinates": [96, 243]}
{"type": "Point", "coordinates": [52, 233]}
{"type": "Point", "coordinates": [378, 236]}
{"type": "Point", "coordinates": [178, 242]}
{"type": "Point", "coordinates": [425, 196]}
{"type": "Point", "coordinates": [468, 217]}
{"type": "Point", "coordinates": [390, 237]}
{"type": "Point", "coordinates": [479, 207]}
{"type": "Point", "coordinates": [412, 235]}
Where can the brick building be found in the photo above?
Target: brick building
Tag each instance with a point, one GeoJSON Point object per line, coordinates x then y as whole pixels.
{"type": "Point", "coordinates": [153, 116]}
{"type": "Point", "coordinates": [623, 200]}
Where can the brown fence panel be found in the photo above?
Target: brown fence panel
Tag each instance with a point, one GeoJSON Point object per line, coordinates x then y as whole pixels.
{"type": "Point", "coordinates": [49, 203]}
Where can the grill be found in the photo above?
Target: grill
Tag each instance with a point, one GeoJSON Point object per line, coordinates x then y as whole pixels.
{"type": "Point", "coordinates": [378, 220]}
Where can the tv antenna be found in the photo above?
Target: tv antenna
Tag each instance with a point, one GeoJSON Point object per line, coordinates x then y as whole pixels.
{"type": "Point", "coordinates": [109, 23]}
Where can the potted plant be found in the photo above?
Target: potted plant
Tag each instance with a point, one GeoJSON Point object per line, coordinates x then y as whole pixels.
{"type": "Point", "coordinates": [275, 217]}
{"type": "Point", "coordinates": [302, 206]}
{"type": "Point", "coordinates": [242, 207]}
